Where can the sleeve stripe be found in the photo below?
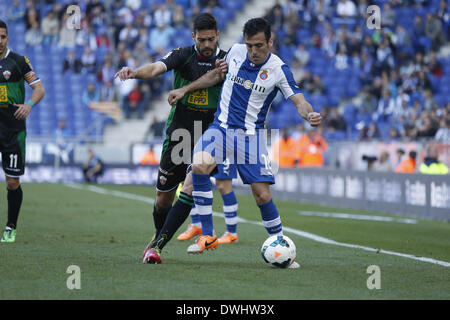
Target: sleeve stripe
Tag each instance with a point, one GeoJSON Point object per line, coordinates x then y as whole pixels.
{"type": "Point", "coordinates": [37, 80]}
{"type": "Point", "coordinates": [290, 79]}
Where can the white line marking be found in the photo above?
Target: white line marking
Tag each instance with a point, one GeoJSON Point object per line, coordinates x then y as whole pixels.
{"type": "Point", "coordinates": [355, 216]}
{"type": "Point", "coordinates": [300, 233]}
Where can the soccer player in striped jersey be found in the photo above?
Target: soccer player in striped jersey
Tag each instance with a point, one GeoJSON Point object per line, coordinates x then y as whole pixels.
{"type": "Point", "coordinates": [14, 71]}
{"type": "Point", "coordinates": [253, 79]}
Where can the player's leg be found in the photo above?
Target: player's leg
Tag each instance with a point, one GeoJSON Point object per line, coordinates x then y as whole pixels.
{"type": "Point", "coordinates": [14, 198]}
{"type": "Point", "coordinates": [203, 164]}
{"type": "Point", "coordinates": [230, 207]}
{"type": "Point", "coordinates": [269, 212]}
{"type": "Point", "coordinates": [13, 163]}
{"type": "Point", "coordinates": [195, 227]}
{"type": "Point", "coordinates": [175, 218]}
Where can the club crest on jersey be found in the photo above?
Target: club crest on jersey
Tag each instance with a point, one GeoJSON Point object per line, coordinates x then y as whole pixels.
{"type": "Point", "coordinates": [7, 74]}
{"type": "Point", "coordinates": [162, 180]}
{"type": "Point", "coordinates": [264, 74]}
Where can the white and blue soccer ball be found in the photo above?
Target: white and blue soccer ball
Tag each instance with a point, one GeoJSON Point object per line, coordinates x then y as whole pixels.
{"type": "Point", "coordinates": [279, 251]}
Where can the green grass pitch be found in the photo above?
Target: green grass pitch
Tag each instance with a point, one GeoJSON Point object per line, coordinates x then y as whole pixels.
{"type": "Point", "coordinates": [105, 234]}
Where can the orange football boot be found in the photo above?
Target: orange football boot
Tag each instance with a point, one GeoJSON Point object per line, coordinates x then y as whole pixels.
{"type": "Point", "coordinates": [228, 238]}
{"type": "Point", "coordinates": [203, 242]}
{"type": "Point", "coordinates": [191, 232]}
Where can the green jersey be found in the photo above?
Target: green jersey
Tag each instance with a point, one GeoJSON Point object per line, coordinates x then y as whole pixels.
{"type": "Point", "coordinates": [188, 65]}
{"type": "Point", "coordinates": [14, 71]}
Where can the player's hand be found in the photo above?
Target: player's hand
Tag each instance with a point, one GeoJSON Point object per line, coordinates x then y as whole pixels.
{"type": "Point", "coordinates": [125, 73]}
{"type": "Point", "coordinates": [221, 68]}
{"type": "Point", "coordinates": [175, 95]}
{"type": "Point", "coordinates": [314, 119]}
{"type": "Point", "coordinates": [23, 110]}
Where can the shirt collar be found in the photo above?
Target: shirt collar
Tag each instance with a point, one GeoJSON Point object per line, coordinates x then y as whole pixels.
{"type": "Point", "coordinates": [7, 53]}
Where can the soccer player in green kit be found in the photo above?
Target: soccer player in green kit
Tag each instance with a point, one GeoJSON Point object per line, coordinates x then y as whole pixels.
{"type": "Point", "coordinates": [14, 71]}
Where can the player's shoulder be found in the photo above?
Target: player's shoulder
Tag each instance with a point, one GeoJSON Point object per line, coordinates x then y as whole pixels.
{"type": "Point", "coordinates": [238, 48]}
{"type": "Point", "coordinates": [180, 51]}
{"type": "Point", "coordinates": [16, 56]}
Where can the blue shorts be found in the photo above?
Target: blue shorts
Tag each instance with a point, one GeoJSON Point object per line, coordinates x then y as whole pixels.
{"type": "Point", "coordinates": [226, 170]}
{"type": "Point", "coordinates": [248, 153]}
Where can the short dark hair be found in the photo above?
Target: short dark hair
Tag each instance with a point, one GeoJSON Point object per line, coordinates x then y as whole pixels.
{"type": "Point", "coordinates": [3, 26]}
{"type": "Point", "coordinates": [205, 21]}
{"type": "Point", "coordinates": [257, 25]}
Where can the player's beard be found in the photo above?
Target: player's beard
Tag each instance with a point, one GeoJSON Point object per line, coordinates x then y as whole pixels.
{"type": "Point", "coordinates": [208, 52]}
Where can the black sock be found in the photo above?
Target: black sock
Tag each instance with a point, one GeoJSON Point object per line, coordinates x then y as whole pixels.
{"type": "Point", "coordinates": [159, 217]}
{"type": "Point", "coordinates": [176, 217]}
{"type": "Point", "coordinates": [14, 202]}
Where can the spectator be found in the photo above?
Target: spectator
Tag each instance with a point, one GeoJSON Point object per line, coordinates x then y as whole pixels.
{"type": "Point", "coordinates": [385, 59]}
{"type": "Point", "coordinates": [160, 38]}
{"type": "Point", "coordinates": [102, 40]}
{"type": "Point", "coordinates": [302, 55]}
{"type": "Point", "coordinates": [67, 36]}
{"type": "Point", "coordinates": [388, 16]}
{"type": "Point", "coordinates": [15, 13]}
{"type": "Point", "coordinates": [108, 92]}
{"type": "Point", "coordinates": [86, 38]}
{"type": "Point", "coordinates": [106, 72]}
{"type": "Point", "coordinates": [427, 127]}
{"type": "Point", "coordinates": [179, 22]}
{"type": "Point", "coordinates": [346, 9]}
{"type": "Point", "coordinates": [433, 65]}
{"type": "Point", "coordinates": [72, 63]}
{"type": "Point", "coordinates": [284, 151]}
{"type": "Point", "coordinates": [401, 38]}
{"type": "Point", "coordinates": [50, 28]}
{"type": "Point", "coordinates": [433, 30]}
{"type": "Point", "coordinates": [134, 102]}
{"type": "Point", "coordinates": [335, 121]}
{"type": "Point", "coordinates": [386, 105]}
{"type": "Point", "coordinates": [431, 163]}
{"type": "Point", "coordinates": [311, 148]}
{"type": "Point", "coordinates": [93, 167]}
{"type": "Point", "coordinates": [162, 16]}
{"type": "Point", "coordinates": [429, 102]}
{"type": "Point", "coordinates": [31, 15]}
{"type": "Point", "coordinates": [88, 61]}
{"type": "Point", "coordinates": [341, 60]}
{"type": "Point", "coordinates": [383, 164]}
{"type": "Point", "coordinates": [140, 54]}
{"type": "Point", "coordinates": [62, 133]}
{"type": "Point", "coordinates": [149, 157]}
{"type": "Point", "coordinates": [90, 95]}
{"type": "Point", "coordinates": [157, 128]}
{"type": "Point", "coordinates": [408, 165]}
{"type": "Point", "coordinates": [129, 35]}
{"type": "Point", "coordinates": [443, 133]}
{"type": "Point", "coordinates": [368, 103]}
{"type": "Point", "coordinates": [369, 133]}
{"type": "Point", "coordinates": [33, 36]}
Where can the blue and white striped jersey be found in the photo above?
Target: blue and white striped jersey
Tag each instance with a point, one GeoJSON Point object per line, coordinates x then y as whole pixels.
{"type": "Point", "coordinates": [249, 89]}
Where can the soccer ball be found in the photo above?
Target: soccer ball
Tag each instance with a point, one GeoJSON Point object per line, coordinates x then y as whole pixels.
{"type": "Point", "coordinates": [279, 251]}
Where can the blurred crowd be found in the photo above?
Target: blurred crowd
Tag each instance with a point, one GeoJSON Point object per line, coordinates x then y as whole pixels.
{"type": "Point", "coordinates": [109, 37]}
{"type": "Point", "coordinates": [397, 75]}
{"type": "Point", "coordinates": [392, 75]}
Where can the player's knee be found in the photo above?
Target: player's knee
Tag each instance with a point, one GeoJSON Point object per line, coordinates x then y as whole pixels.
{"type": "Point", "coordinates": [262, 197]}
{"type": "Point", "coordinates": [224, 187]}
{"type": "Point", "coordinates": [12, 183]}
{"type": "Point", "coordinates": [187, 188]}
{"type": "Point", "coordinates": [163, 200]}
{"type": "Point", "coordinates": [200, 168]}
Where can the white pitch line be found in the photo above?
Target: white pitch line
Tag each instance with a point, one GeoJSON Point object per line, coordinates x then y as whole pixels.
{"type": "Point", "coordinates": [300, 233]}
{"type": "Point", "coordinates": [356, 216]}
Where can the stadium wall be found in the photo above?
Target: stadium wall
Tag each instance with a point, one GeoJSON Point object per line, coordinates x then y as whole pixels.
{"type": "Point", "coordinates": [423, 196]}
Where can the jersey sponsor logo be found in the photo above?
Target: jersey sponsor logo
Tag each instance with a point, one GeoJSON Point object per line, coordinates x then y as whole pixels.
{"type": "Point", "coordinates": [247, 84]}
{"type": "Point", "coordinates": [264, 74]}
{"type": "Point", "coordinates": [3, 94]}
{"type": "Point", "coordinates": [199, 97]}
{"type": "Point", "coordinates": [7, 74]}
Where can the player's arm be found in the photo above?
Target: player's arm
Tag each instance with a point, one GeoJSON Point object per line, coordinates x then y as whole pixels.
{"type": "Point", "coordinates": [23, 110]}
{"type": "Point", "coordinates": [147, 71]}
{"type": "Point", "coordinates": [305, 110]}
{"type": "Point", "coordinates": [209, 79]}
